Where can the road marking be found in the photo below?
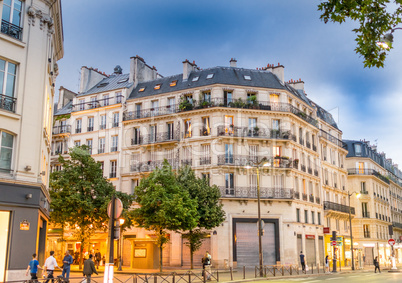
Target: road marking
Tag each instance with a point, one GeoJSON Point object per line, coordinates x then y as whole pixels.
{"type": "Point", "coordinates": [353, 276]}
{"type": "Point", "coordinates": [333, 278]}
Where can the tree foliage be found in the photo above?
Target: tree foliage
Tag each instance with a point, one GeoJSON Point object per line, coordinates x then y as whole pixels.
{"type": "Point", "coordinates": [210, 210]}
{"type": "Point", "coordinates": [375, 18]}
{"type": "Point", "coordinates": [163, 205]}
{"type": "Point", "coordinates": [80, 195]}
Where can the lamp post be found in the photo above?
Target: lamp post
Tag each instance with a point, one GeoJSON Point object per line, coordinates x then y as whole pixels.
{"type": "Point", "coordinates": [121, 220]}
{"type": "Point", "coordinates": [386, 41]}
{"type": "Point", "coordinates": [350, 228]}
{"type": "Point", "coordinates": [263, 163]}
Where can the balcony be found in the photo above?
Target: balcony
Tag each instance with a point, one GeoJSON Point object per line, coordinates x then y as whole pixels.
{"type": "Point", "coordinates": [149, 166]}
{"type": "Point", "coordinates": [317, 200]}
{"type": "Point", "coordinates": [237, 160]}
{"type": "Point", "coordinates": [355, 171]}
{"type": "Point", "coordinates": [397, 225]}
{"type": "Point", "coordinates": [316, 172]}
{"type": "Point", "coordinates": [11, 30]}
{"type": "Point", "coordinates": [366, 214]}
{"type": "Point", "coordinates": [88, 105]}
{"type": "Point", "coordinates": [246, 132]}
{"type": "Point", "coordinates": [328, 205]}
{"type": "Point", "coordinates": [310, 170]}
{"type": "Point", "coordinates": [155, 138]}
{"type": "Point", "coordinates": [101, 150]}
{"type": "Point", "coordinates": [332, 139]}
{"type": "Point", "coordinates": [251, 192]}
{"type": "Point", "coordinates": [314, 147]}
{"type": "Point", "coordinates": [304, 197]}
{"type": "Point", "coordinates": [102, 126]}
{"type": "Point", "coordinates": [57, 130]}
{"type": "Point", "coordinates": [297, 195]}
{"type": "Point", "coordinates": [59, 151]}
{"type": "Point", "coordinates": [367, 234]}
{"type": "Point", "coordinates": [205, 160]}
{"type": "Point", "coordinates": [187, 162]}
{"type": "Point", "coordinates": [303, 167]}
{"type": "Point", "coordinates": [115, 124]}
{"type": "Point", "coordinates": [311, 198]}
{"type": "Point", "coordinates": [7, 103]}
{"type": "Point", "coordinates": [219, 102]}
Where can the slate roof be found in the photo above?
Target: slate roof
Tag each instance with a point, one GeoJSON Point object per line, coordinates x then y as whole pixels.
{"type": "Point", "coordinates": [326, 116]}
{"type": "Point", "coordinates": [65, 110]}
{"type": "Point", "coordinates": [221, 75]}
{"type": "Point", "coordinates": [110, 83]}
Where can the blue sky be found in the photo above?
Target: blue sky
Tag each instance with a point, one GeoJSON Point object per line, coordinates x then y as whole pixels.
{"type": "Point", "coordinates": [103, 34]}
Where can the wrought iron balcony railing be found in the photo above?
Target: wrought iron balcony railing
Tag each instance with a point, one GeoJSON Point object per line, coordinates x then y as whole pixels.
{"type": "Point", "coordinates": [187, 162]}
{"type": "Point", "coordinates": [254, 132]}
{"type": "Point", "coordinates": [328, 205]}
{"type": "Point", "coordinates": [219, 102]}
{"type": "Point", "coordinates": [77, 130]}
{"type": "Point", "coordinates": [90, 129]}
{"type": "Point", "coordinates": [315, 172]}
{"type": "Point", "coordinates": [61, 129]}
{"type": "Point", "coordinates": [397, 225]}
{"type": "Point", "coordinates": [297, 195]}
{"type": "Point", "coordinates": [156, 138]}
{"type": "Point", "coordinates": [7, 103]}
{"type": "Point", "coordinates": [367, 234]}
{"type": "Point", "coordinates": [251, 192]}
{"type": "Point", "coordinates": [356, 171]}
{"type": "Point", "coordinates": [11, 30]}
{"type": "Point", "coordinates": [308, 144]}
{"type": "Point", "coordinates": [113, 149]}
{"type": "Point", "coordinates": [332, 139]}
{"type": "Point", "coordinates": [151, 165]}
{"type": "Point", "coordinates": [87, 105]}
{"type": "Point", "coordinates": [304, 196]}
{"type": "Point", "coordinates": [112, 175]}
{"type": "Point", "coordinates": [205, 160]}
{"type": "Point", "coordinates": [366, 214]}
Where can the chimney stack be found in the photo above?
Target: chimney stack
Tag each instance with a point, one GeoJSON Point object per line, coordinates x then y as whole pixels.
{"type": "Point", "coordinates": [188, 67]}
{"type": "Point", "coordinates": [233, 62]}
{"type": "Point", "coordinates": [89, 78]}
{"type": "Point", "coordinates": [277, 70]}
{"type": "Point", "coordinates": [140, 71]}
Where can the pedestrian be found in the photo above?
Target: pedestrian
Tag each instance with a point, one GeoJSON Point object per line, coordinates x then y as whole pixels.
{"type": "Point", "coordinates": [206, 266]}
{"type": "Point", "coordinates": [98, 258]}
{"type": "Point", "coordinates": [302, 261]}
{"type": "Point", "coordinates": [67, 261]}
{"type": "Point", "coordinates": [376, 265]}
{"type": "Point", "coordinates": [89, 268]}
{"type": "Point", "coordinates": [104, 260]}
{"type": "Point", "coordinates": [49, 266]}
{"type": "Point", "coordinates": [76, 257]}
{"type": "Point", "coordinates": [327, 264]}
{"type": "Point", "coordinates": [33, 267]}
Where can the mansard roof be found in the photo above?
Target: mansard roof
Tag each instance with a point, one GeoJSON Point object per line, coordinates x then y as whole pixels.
{"type": "Point", "coordinates": [221, 75]}
{"type": "Point", "coordinates": [113, 82]}
{"type": "Point", "coordinates": [65, 110]}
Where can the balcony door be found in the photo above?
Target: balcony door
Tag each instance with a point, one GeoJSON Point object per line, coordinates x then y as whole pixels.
{"type": "Point", "coordinates": [229, 153]}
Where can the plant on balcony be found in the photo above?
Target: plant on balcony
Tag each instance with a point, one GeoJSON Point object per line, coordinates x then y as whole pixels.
{"type": "Point", "coordinates": [238, 103]}
{"type": "Point", "coordinates": [286, 134]}
{"type": "Point", "coordinates": [252, 101]}
{"type": "Point", "coordinates": [80, 195]}
{"type": "Point", "coordinates": [256, 131]}
{"type": "Point", "coordinates": [302, 115]}
{"type": "Point", "coordinates": [184, 104]}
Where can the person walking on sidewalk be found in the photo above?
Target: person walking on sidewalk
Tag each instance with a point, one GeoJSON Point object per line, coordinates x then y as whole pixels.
{"type": "Point", "coordinates": [89, 268]}
{"type": "Point", "coordinates": [327, 264]}
{"type": "Point", "coordinates": [49, 266]}
{"type": "Point", "coordinates": [376, 265]}
{"type": "Point", "coordinates": [302, 261]}
{"type": "Point", "coordinates": [206, 265]}
{"type": "Point", "coordinates": [67, 261]}
{"type": "Point", "coordinates": [33, 267]}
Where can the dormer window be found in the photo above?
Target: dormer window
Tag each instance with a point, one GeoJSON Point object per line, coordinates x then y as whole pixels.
{"type": "Point", "coordinates": [195, 79]}
{"type": "Point", "coordinates": [141, 89]}
{"type": "Point", "coordinates": [158, 86]}
{"type": "Point", "coordinates": [103, 84]}
{"type": "Point", "coordinates": [210, 76]}
{"type": "Point", "coordinates": [122, 81]}
{"type": "Point", "coordinates": [247, 78]}
{"type": "Point", "coordinates": [173, 83]}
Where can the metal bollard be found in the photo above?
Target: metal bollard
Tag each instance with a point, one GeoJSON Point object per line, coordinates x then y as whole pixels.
{"type": "Point", "coordinates": [255, 272]}
{"type": "Point", "coordinates": [155, 278]}
{"type": "Point", "coordinates": [217, 275]}
{"type": "Point", "coordinates": [244, 272]}
{"type": "Point", "coordinates": [174, 279]}
{"type": "Point", "coordinates": [231, 274]}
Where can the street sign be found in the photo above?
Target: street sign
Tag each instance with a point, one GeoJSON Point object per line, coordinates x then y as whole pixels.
{"type": "Point", "coordinates": [118, 208]}
{"type": "Point", "coordinates": [391, 242]}
{"type": "Point", "coordinates": [333, 243]}
{"type": "Point", "coordinates": [326, 230]}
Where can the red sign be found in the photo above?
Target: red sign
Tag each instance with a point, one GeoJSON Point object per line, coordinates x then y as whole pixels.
{"type": "Point", "coordinates": [391, 242]}
{"type": "Point", "coordinates": [400, 238]}
{"type": "Point", "coordinates": [310, 236]}
{"type": "Point", "coordinates": [326, 230]}
{"type": "Point", "coordinates": [333, 243]}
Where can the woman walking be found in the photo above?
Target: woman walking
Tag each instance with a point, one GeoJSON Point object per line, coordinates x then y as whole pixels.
{"type": "Point", "coordinates": [327, 264]}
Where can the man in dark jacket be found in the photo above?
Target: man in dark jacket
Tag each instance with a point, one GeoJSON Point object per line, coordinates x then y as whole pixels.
{"type": "Point", "coordinates": [89, 268]}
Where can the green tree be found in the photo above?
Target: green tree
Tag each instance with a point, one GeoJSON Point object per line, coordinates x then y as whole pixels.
{"type": "Point", "coordinates": [375, 18]}
{"type": "Point", "coordinates": [163, 205]}
{"type": "Point", "coordinates": [80, 195]}
{"type": "Point", "coordinates": [210, 210]}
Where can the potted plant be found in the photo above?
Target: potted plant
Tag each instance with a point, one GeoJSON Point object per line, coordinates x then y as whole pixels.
{"type": "Point", "coordinates": [256, 130]}
{"type": "Point", "coordinates": [286, 134]}
{"type": "Point", "coordinates": [185, 104]}
{"type": "Point", "coordinates": [252, 101]}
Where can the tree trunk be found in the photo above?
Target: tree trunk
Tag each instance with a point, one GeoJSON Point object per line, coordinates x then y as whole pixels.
{"type": "Point", "coordinates": [191, 249]}
{"type": "Point", "coordinates": [160, 258]}
{"type": "Point", "coordinates": [81, 259]}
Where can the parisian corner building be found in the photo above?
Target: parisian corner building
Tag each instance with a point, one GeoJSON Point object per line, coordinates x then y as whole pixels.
{"type": "Point", "coordinates": [31, 43]}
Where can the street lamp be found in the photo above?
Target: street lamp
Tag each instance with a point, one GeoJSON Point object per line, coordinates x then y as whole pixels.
{"type": "Point", "coordinates": [121, 221]}
{"type": "Point", "coordinates": [385, 41]}
{"type": "Point", "coordinates": [350, 227]}
{"type": "Point", "coordinates": [263, 163]}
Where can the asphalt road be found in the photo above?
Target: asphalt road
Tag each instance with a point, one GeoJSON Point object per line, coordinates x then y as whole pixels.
{"type": "Point", "coordinates": [365, 277]}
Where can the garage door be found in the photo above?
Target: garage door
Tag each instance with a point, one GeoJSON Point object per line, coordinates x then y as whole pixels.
{"type": "Point", "coordinates": [247, 244]}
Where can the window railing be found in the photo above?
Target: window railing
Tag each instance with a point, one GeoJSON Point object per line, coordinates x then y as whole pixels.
{"type": "Point", "coordinates": [311, 198]}
{"type": "Point", "coordinates": [316, 172]}
{"type": "Point", "coordinates": [332, 139]}
{"type": "Point", "coordinates": [93, 104]}
{"type": "Point", "coordinates": [308, 144]}
{"type": "Point", "coordinates": [112, 175]}
{"type": "Point", "coordinates": [358, 171]}
{"type": "Point", "coordinates": [304, 196]}
{"type": "Point", "coordinates": [7, 103]}
{"type": "Point", "coordinates": [187, 162]}
{"type": "Point", "coordinates": [90, 129]}
{"type": "Point", "coordinates": [101, 150]}
{"type": "Point", "coordinates": [317, 200]}
{"type": "Point", "coordinates": [115, 124]}
{"type": "Point", "coordinates": [219, 102]}
{"type": "Point", "coordinates": [367, 234]}
{"type": "Point", "coordinates": [113, 149]}
{"type": "Point", "coordinates": [328, 205]}
{"type": "Point", "coordinates": [102, 126]}
{"type": "Point", "coordinates": [61, 129]}
{"type": "Point", "coordinates": [151, 165]}
{"type": "Point", "coordinates": [11, 29]}
{"type": "Point", "coordinates": [301, 141]}
{"type": "Point", "coordinates": [77, 130]}
{"type": "Point", "coordinates": [254, 132]}
{"type": "Point", "coordinates": [205, 160]}
{"type": "Point", "coordinates": [205, 132]}
{"type": "Point", "coordinates": [152, 138]}
{"type": "Point", "coordinates": [303, 167]}
{"type": "Point", "coordinates": [251, 192]}
{"type": "Point", "coordinates": [297, 195]}
{"type": "Point", "coordinates": [366, 214]}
